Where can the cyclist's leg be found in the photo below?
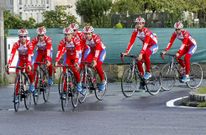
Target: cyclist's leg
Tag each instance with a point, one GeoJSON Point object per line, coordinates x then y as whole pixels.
{"type": "Point", "coordinates": [100, 71]}
{"type": "Point", "coordinates": [31, 78]}
{"type": "Point", "coordinates": [98, 67]}
{"type": "Point", "coordinates": [187, 58]}
{"type": "Point", "coordinates": [140, 68]}
{"type": "Point", "coordinates": [179, 60]}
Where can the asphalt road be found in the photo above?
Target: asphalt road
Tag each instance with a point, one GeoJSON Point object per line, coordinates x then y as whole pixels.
{"type": "Point", "coordinates": [141, 114]}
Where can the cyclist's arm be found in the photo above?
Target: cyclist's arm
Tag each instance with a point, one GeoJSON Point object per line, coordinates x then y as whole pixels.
{"type": "Point", "coordinates": [172, 39]}
{"type": "Point", "coordinates": [98, 48]}
{"type": "Point", "coordinates": [49, 49]}
{"type": "Point", "coordinates": [30, 53]}
{"type": "Point", "coordinates": [131, 42]}
{"type": "Point", "coordinates": [13, 51]}
{"type": "Point", "coordinates": [78, 50]}
{"type": "Point", "coordinates": [60, 51]}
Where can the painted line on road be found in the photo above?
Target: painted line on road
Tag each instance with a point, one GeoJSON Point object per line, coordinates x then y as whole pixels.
{"type": "Point", "coordinates": [171, 104]}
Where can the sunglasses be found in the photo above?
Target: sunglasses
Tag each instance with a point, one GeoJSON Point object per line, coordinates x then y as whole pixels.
{"type": "Point", "coordinates": [140, 23]}
{"type": "Point", "coordinates": [40, 35]}
{"type": "Point", "coordinates": [177, 29]}
{"type": "Point", "coordinates": [22, 36]}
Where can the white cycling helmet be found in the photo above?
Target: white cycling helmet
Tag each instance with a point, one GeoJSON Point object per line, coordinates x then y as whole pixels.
{"type": "Point", "coordinates": [88, 29]}
{"type": "Point", "coordinates": [23, 32]}
{"type": "Point", "coordinates": [41, 30]}
{"type": "Point", "coordinates": [140, 20]}
{"type": "Point", "coordinates": [68, 30]}
{"type": "Point", "coordinates": [74, 26]}
{"type": "Point", "coordinates": [178, 25]}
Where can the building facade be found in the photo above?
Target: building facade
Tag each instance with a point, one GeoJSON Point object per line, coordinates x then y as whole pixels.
{"type": "Point", "coordinates": [35, 8]}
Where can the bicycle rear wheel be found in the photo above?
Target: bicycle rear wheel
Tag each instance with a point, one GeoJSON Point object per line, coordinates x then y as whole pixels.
{"type": "Point", "coordinates": [196, 76]}
{"type": "Point", "coordinates": [27, 93]}
{"type": "Point", "coordinates": [100, 94]}
{"type": "Point", "coordinates": [17, 93]}
{"type": "Point", "coordinates": [153, 85]}
{"type": "Point", "coordinates": [129, 82]}
{"type": "Point", "coordinates": [168, 77]}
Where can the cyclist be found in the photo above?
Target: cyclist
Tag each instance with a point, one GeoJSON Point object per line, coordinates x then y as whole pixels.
{"type": "Point", "coordinates": [149, 47]}
{"type": "Point", "coordinates": [95, 52]}
{"type": "Point", "coordinates": [24, 48]}
{"type": "Point", "coordinates": [43, 45]}
{"type": "Point", "coordinates": [70, 47]}
{"type": "Point", "coordinates": [187, 48]}
{"type": "Point", "coordinates": [79, 35]}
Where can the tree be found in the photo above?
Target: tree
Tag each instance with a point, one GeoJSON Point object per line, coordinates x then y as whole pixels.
{"type": "Point", "coordinates": [57, 18]}
{"type": "Point", "coordinates": [93, 11]}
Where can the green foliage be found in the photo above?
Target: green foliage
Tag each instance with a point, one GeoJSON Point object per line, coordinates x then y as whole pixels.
{"type": "Point", "coordinates": [119, 26]}
{"type": "Point", "coordinates": [57, 18]}
{"type": "Point", "coordinates": [94, 11]}
{"type": "Point", "coordinates": [15, 22]}
{"type": "Point", "coordinates": [201, 90]}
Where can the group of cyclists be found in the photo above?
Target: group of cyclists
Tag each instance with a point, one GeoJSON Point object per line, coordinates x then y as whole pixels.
{"type": "Point", "coordinates": [85, 45]}
{"type": "Point", "coordinates": [75, 47]}
{"type": "Point", "coordinates": [150, 46]}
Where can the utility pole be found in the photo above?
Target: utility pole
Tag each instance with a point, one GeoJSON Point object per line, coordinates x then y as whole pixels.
{"type": "Point", "coordinates": [2, 45]}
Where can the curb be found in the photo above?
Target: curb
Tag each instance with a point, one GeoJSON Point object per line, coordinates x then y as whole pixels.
{"type": "Point", "coordinates": [171, 104]}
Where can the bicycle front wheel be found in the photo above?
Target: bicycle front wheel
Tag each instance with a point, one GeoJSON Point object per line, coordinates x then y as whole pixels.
{"type": "Point", "coordinates": [72, 89]}
{"type": "Point", "coordinates": [27, 93]}
{"type": "Point", "coordinates": [129, 82]}
{"type": "Point", "coordinates": [46, 86]}
{"type": "Point", "coordinates": [153, 85]}
{"type": "Point", "coordinates": [168, 77]}
{"type": "Point", "coordinates": [196, 76]}
{"type": "Point", "coordinates": [16, 93]}
{"type": "Point", "coordinates": [63, 92]}
{"type": "Point", "coordinates": [37, 80]}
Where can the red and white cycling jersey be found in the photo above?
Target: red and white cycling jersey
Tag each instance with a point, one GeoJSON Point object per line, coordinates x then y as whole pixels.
{"type": "Point", "coordinates": [25, 51]}
{"type": "Point", "coordinates": [146, 36]}
{"type": "Point", "coordinates": [82, 39]}
{"type": "Point", "coordinates": [96, 45]}
{"type": "Point", "coordinates": [71, 48]}
{"type": "Point", "coordinates": [44, 46]}
{"type": "Point", "coordinates": [185, 37]}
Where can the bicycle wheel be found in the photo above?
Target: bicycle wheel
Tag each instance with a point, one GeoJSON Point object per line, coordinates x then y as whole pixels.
{"type": "Point", "coordinates": [129, 82]}
{"type": "Point", "coordinates": [37, 80]}
{"type": "Point", "coordinates": [72, 89]}
{"type": "Point", "coordinates": [168, 77]}
{"type": "Point", "coordinates": [46, 86]}
{"type": "Point", "coordinates": [16, 93]}
{"type": "Point", "coordinates": [64, 90]}
{"type": "Point", "coordinates": [59, 82]}
{"type": "Point", "coordinates": [196, 76]}
{"type": "Point", "coordinates": [27, 93]}
{"type": "Point", "coordinates": [100, 94]}
{"type": "Point", "coordinates": [153, 85]}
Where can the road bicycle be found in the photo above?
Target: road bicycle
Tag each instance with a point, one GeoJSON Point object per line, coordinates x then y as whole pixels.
{"type": "Point", "coordinates": [132, 81]}
{"type": "Point", "coordinates": [172, 72]}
